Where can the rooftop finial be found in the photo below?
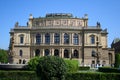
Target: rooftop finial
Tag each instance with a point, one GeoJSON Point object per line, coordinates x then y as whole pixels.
{"type": "Point", "coordinates": [31, 17]}
{"type": "Point", "coordinates": [98, 24]}
{"type": "Point", "coordinates": [16, 24]}
{"type": "Point", "coordinates": [86, 16]}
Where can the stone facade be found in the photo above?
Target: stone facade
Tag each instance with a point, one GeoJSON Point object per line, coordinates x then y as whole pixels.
{"type": "Point", "coordinates": [62, 35]}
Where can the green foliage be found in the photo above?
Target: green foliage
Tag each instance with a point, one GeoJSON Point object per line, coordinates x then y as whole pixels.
{"type": "Point", "coordinates": [3, 56]}
{"type": "Point", "coordinates": [51, 68]}
{"type": "Point", "coordinates": [92, 76]}
{"type": "Point", "coordinates": [72, 65]}
{"type": "Point", "coordinates": [84, 68]}
{"type": "Point", "coordinates": [117, 60]}
{"type": "Point", "coordinates": [18, 75]}
{"type": "Point", "coordinates": [31, 75]}
{"type": "Point", "coordinates": [33, 63]}
{"type": "Point", "coordinates": [109, 69]}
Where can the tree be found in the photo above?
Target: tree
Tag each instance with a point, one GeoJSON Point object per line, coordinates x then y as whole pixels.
{"type": "Point", "coordinates": [117, 60]}
{"type": "Point", "coordinates": [33, 63]}
{"type": "Point", "coordinates": [3, 56]}
{"type": "Point", "coordinates": [51, 68]}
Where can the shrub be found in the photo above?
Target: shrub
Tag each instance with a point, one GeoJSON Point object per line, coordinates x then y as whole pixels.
{"type": "Point", "coordinates": [72, 65]}
{"type": "Point", "coordinates": [31, 75]}
{"type": "Point", "coordinates": [51, 68]}
{"type": "Point", "coordinates": [84, 68]}
{"type": "Point", "coordinates": [18, 75]}
{"type": "Point", "coordinates": [109, 69]}
{"type": "Point", "coordinates": [92, 76]}
{"type": "Point", "coordinates": [33, 63]}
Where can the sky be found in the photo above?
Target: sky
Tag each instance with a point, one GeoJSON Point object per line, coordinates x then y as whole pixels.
{"type": "Point", "coordinates": [107, 12]}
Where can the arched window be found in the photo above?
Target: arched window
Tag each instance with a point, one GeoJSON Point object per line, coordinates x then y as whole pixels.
{"type": "Point", "coordinates": [38, 39]}
{"type": "Point", "coordinates": [66, 53]}
{"type": "Point", "coordinates": [37, 52]}
{"type": "Point", "coordinates": [57, 38]}
{"type": "Point", "coordinates": [75, 38]}
{"type": "Point", "coordinates": [110, 58]}
{"type": "Point", "coordinates": [92, 39]}
{"type": "Point", "coordinates": [76, 55]}
{"type": "Point", "coordinates": [56, 52]}
{"type": "Point", "coordinates": [21, 53]}
{"type": "Point", "coordinates": [47, 38]}
{"type": "Point", "coordinates": [93, 53]}
{"type": "Point", "coordinates": [47, 52]}
{"type": "Point", "coordinates": [66, 38]}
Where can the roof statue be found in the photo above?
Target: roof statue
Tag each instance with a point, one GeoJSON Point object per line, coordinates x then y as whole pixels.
{"type": "Point", "coordinates": [98, 24]}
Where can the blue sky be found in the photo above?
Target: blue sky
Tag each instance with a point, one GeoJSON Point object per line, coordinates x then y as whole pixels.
{"type": "Point", "coordinates": [107, 12]}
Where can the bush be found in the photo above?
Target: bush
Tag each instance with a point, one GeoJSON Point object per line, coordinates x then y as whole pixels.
{"type": "Point", "coordinates": [84, 68]}
{"type": "Point", "coordinates": [18, 75]}
{"type": "Point", "coordinates": [33, 63]}
{"type": "Point", "coordinates": [31, 75]}
{"type": "Point", "coordinates": [51, 68]}
{"type": "Point", "coordinates": [92, 76]}
{"type": "Point", "coordinates": [109, 69]}
{"type": "Point", "coordinates": [72, 65]}
{"type": "Point", "coordinates": [117, 60]}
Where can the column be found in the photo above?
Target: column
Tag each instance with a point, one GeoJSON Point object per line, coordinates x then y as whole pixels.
{"type": "Point", "coordinates": [43, 38]}
{"type": "Point", "coordinates": [61, 38]}
{"type": "Point", "coordinates": [62, 53]}
{"type": "Point", "coordinates": [72, 34]}
{"type": "Point", "coordinates": [52, 38]}
{"type": "Point", "coordinates": [72, 52]}
{"type": "Point", "coordinates": [43, 52]}
{"type": "Point", "coordinates": [79, 39]}
{"type": "Point", "coordinates": [52, 51]}
{"type": "Point", "coordinates": [70, 38]}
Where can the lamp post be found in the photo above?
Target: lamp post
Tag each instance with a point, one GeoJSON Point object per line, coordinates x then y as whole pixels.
{"type": "Point", "coordinates": [97, 53]}
{"type": "Point", "coordinates": [83, 46]}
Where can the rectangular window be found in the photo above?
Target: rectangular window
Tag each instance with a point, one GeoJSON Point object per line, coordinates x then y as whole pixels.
{"type": "Point", "coordinates": [21, 39]}
{"type": "Point", "coordinates": [76, 41]}
{"type": "Point", "coordinates": [92, 40]}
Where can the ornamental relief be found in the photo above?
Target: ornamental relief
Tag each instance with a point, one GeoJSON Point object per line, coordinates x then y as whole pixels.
{"type": "Point", "coordinates": [49, 23]}
{"type": "Point", "coordinates": [57, 22]}
{"type": "Point", "coordinates": [62, 22]}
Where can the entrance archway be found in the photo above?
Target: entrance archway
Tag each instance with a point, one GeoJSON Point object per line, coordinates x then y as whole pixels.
{"type": "Point", "coordinates": [47, 52]}
{"type": "Point", "coordinates": [37, 52]}
{"type": "Point", "coordinates": [66, 53]}
{"type": "Point", "coordinates": [56, 52]}
{"type": "Point", "coordinates": [76, 55]}
{"type": "Point", "coordinates": [110, 58]}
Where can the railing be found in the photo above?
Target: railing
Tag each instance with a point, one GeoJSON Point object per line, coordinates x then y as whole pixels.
{"type": "Point", "coordinates": [55, 27]}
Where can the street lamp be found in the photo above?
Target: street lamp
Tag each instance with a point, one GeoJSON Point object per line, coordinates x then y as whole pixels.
{"type": "Point", "coordinates": [83, 46]}
{"type": "Point", "coordinates": [97, 52]}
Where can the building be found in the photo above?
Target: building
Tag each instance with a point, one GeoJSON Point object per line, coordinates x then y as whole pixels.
{"type": "Point", "coordinates": [116, 45]}
{"type": "Point", "coordinates": [63, 35]}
